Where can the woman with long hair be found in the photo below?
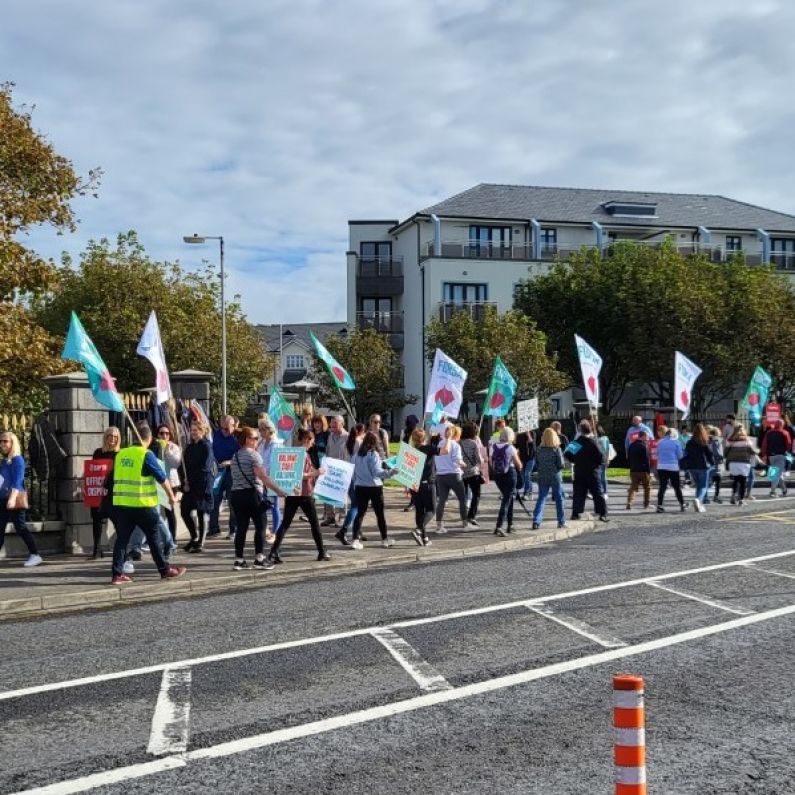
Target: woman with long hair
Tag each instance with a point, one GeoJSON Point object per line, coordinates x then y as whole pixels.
{"type": "Point", "coordinates": [699, 461]}
{"type": "Point", "coordinates": [111, 444]}
{"type": "Point", "coordinates": [12, 495]}
{"type": "Point", "coordinates": [197, 470]}
{"type": "Point", "coordinates": [471, 474]}
{"type": "Point", "coordinates": [740, 455]}
{"type": "Point", "coordinates": [269, 441]}
{"type": "Point", "coordinates": [507, 468]}
{"type": "Point", "coordinates": [449, 466]}
{"type": "Point", "coordinates": [549, 462]}
{"type": "Point", "coordinates": [349, 451]}
{"type": "Point", "coordinates": [368, 477]}
{"type": "Point", "coordinates": [305, 501]}
{"type": "Point", "coordinates": [669, 454]}
{"type": "Point", "coordinates": [425, 496]}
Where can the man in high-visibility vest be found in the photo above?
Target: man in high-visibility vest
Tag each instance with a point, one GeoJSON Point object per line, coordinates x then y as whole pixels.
{"type": "Point", "coordinates": [136, 473]}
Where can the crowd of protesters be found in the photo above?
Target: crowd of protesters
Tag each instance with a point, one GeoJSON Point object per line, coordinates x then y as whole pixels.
{"type": "Point", "coordinates": [201, 469]}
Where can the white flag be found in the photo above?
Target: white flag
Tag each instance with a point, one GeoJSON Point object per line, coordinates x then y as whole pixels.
{"type": "Point", "coordinates": [591, 366]}
{"type": "Point", "coordinates": [447, 385]}
{"type": "Point", "coordinates": [150, 347]}
{"type": "Point", "coordinates": [685, 375]}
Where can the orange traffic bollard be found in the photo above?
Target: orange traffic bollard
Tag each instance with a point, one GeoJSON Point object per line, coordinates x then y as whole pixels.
{"type": "Point", "coordinates": [629, 751]}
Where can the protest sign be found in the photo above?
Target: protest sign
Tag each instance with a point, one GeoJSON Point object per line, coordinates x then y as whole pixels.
{"type": "Point", "coordinates": [410, 463]}
{"type": "Point", "coordinates": [332, 486]}
{"type": "Point", "coordinates": [287, 468]}
{"type": "Point", "coordinates": [94, 474]}
{"type": "Point", "coordinates": [527, 415]}
{"type": "Point", "coordinates": [446, 386]}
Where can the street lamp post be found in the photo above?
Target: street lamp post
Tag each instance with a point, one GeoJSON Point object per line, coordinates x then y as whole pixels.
{"type": "Point", "coordinates": [198, 239]}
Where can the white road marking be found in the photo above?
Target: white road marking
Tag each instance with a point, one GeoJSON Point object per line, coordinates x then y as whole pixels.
{"type": "Point", "coordinates": [422, 672]}
{"type": "Point", "coordinates": [768, 570]}
{"type": "Point", "coordinates": [400, 707]}
{"type": "Point", "coordinates": [170, 722]}
{"type": "Point", "coordinates": [231, 655]}
{"type": "Point", "coordinates": [705, 600]}
{"type": "Point", "coordinates": [575, 625]}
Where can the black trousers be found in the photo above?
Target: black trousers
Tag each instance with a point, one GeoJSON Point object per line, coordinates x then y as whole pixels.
{"type": "Point", "coordinates": [245, 504]}
{"type": "Point", "coordinates": [424, 505]}
{"type": "Point", "coordinates": [588, 484]}
{"type": "Point", "coordinates": [473, 484]}
{"type": "Point", "coordinates": [364, 496]}
{"type": "Point", "coordinates": [196, 528]}
{"type": "Point", "coordinates": [666, 476]}
{"type": "Point", "coordinates": [291, 506]}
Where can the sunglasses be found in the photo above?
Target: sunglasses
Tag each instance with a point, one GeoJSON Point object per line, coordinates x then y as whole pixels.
{"type": "Point", "coordinates": [164, 433]}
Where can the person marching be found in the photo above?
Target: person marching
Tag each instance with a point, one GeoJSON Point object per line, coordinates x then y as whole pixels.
{"type": "Point", "coordinates": [587, 459]}
{"type": "Point", "coordinates": [12, 485]}
{"type": "Point", "coordinates": [507, 468]}
{"type": "Point", "coordinates": [197, 485]}
{"type": "Point", "coordinates": [111, 442]}
{"type": "Point", "coordinates": [305, 501]}
{"type": "Point", "coordinates": [639, 460]}
{"type": "Point", "coordinates": [425, 496]}
{"type": "Point", "coordinates": [549, 459]}
{"type": "Point", "coordinates": [135, 475]}
{"type": "Point", "coordinates": [368, 477]}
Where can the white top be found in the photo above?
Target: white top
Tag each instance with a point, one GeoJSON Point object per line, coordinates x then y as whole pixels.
{"type": "Point", "coordinates": [449, 462]}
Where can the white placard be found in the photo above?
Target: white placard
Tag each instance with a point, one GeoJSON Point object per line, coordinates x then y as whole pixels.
{"type": "Point", "coordinates": [527, 415]}
{"type": "Point", "coordinates": [332, 486]}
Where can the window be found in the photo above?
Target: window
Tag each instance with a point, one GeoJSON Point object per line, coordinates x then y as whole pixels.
{"type": "Point", "coordinates": [464, 293]}
{"type": "Point", "coordinates": [294, 361]}
{"type": "Point", "coordinates": [375, 251]}
{"type": "Point", "coordinates": [636, 209]}
{"type": "Point", "coordinates": [375, 306]}
{"type": "Point", "coordinates": [549, 239]}
{"type": "Point", "coordinates": [484, 239]}
{"type": "Point", "coordinates": [734, 243]}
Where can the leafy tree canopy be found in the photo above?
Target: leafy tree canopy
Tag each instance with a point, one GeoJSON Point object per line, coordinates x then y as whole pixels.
{"type": "Point", "coordinates": [475, 343]}
{"type": "Point", "coordinates": [638, 304]}
{"type": "Point", "coordinates": [37, 186]}
{"type": "Point", "coordinates": [375, 368]}
{"type": "Point", "coordinates": [113, 290]}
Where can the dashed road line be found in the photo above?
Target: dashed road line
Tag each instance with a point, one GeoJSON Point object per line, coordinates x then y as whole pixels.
{"type": "Point", "coordinates": [421, 671]}
{"type": "Point", "coordinates": [575, 625]}
{"type": "Point", "coordinates": [292, 644]}
{"type": "Point", "coordinates": [705, 600]}
{"type": "Point", "coordinates": [397, 708]}
{"type": "Point", "coordinates": [170, 722]}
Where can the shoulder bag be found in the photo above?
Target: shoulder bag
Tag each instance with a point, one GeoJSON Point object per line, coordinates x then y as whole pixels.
{"type": "Point", "coordinates": [263, 503]}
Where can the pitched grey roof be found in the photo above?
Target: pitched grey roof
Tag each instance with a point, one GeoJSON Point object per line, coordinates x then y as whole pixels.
{"type": "Point", "coordinates": [270, 333]}
{"type": "Point", "coordinates": [582, 205]}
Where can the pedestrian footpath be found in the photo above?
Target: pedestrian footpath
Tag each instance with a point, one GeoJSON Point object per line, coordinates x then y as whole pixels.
{"type": "Point", "coordinates": [69, 582]}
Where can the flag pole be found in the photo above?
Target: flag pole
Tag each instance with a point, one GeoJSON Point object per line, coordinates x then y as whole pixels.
{"type": "Point", "coordinates": [132, 424]}
{"type": "Point", "coordinates": [345, 402]}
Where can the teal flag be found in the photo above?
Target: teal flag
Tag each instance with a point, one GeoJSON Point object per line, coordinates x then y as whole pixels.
{"type": "Point", "coordinates": [342, 378]}
{"type": "Point", "coordinates": [502, 389]}
{"type": "Point", "coordinates": [80, 348]}
{"type": "Point", "coordinates": [756, 395]}
{"type": "Point", "coordinates": [282, 414]}
{"type": "Point", "coordinates": [438, 412]}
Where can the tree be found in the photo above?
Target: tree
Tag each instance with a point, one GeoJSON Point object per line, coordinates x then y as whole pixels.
{"type": "Point", "coordinates": [113, 290]}
{"type": "Point", "coordinates": [36, 187]}
{"type": "Point", "coordinates": [637, 305]}
{"type": "Point", "coordinates": [474, 344]}
{"type": "Point", "coordinates": [374, 366]}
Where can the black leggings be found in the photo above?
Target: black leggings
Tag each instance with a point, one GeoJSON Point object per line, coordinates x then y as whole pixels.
{"type": "Point", "coordinates": [473, 484]}
{"type": "Point", "coordinates": [246, 504]}
{"type": "Point", "coordinates": [740, 486]}
{"type": "Point", "coordinates": [291, 506]}
{"type": "Point", "coordinates": [97, 524]}
{"type": "Point", "coordinates": [424, 505]}
{"type": "Point", "coordinates": [186, 505]}
{"type": "Point", "coordinates": [666, 476]}
{"type": "Point", "coordinates": [364, 496]}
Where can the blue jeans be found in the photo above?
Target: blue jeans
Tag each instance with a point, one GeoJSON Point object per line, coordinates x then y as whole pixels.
{"type": "Point", "coordinates": [276, 513]}
{"type": "Point", "coordinates": [699, 478]}
{"type": "Point", "coordinates": [543, 492]}
{"type": "Point", "coordinates": [224, 491]}
{"type": "Point", "coordinates": [162, 533]}
{"type": "Point", "coordinates": [350, 517]}
{"type": "Point", "coordinates": [527, 477]}
{"type": "Point", "coordinates": [603, 479]}
{"type": "Point", "coordinates": [506, 483]}
{"type": "Point", "coordinates": [17, 517]}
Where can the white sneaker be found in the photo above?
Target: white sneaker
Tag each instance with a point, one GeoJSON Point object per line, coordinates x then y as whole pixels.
{"type": "Point", "coordinates": [441, 529]}
{"type": "Point", "coordinates": [698, 506]}
{"type": "Point", "coordinates": [33, 560]}
{"type": "Point", "coordinates": [356, 544]}
{"type": "Point", "coordinates": [387, 542]}
{"type": "Point", "coordinates": [128, 567]}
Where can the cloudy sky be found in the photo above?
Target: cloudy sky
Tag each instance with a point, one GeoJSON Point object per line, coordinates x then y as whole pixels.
{"type": "Point", "coordinates": [272, 122]}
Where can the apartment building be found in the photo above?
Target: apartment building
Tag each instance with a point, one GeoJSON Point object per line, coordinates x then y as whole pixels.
{"type": "Point", "coordinates": [467, 252]}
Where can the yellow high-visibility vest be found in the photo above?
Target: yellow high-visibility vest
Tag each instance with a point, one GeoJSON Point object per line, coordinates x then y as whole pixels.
{"type": "Point", "coordinates": [131, 489]}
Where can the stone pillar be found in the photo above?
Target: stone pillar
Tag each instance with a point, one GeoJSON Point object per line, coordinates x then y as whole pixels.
{"type": "Point", "coordinates": [79, 422]}
{"type": "Point", "coordinates": [192, 385]}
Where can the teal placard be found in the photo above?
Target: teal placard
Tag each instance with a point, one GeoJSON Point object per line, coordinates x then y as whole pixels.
{"type": "Point", "coordinates": [287, 468]}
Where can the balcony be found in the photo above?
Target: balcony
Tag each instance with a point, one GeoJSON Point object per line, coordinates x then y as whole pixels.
{"type": "Point", "coordinates": [379, 277]}
{"type": "Point", "coordinates": [475, 309]}
{"type": "Point", "coordinates": [783, 260]}
{"type": "Point", "coordinates": [475, 249]}
{"type": "Point", "coordinates": [390, 323]}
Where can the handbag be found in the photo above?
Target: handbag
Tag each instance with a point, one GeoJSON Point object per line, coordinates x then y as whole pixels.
{"type": "Point", "coordinates": [263, 503]}
{"type": "Point", "coordinates": [20, 501]}
{"type": "Point", "coordinates": [471, 463]}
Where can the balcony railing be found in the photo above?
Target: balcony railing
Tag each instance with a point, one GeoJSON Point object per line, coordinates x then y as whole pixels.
{"type": "Point", "coordinates": [378, 267]}
{"type": "Point", "coordinates": [385, 322]}
{"type": "Point", "coordinates": [474, 249]}
{"type": "Point", "coordinates": [379, 277]}
{"type": "Point", "coordinates": [475, 309]}
{"type": "Point", "coordinates": [783, 260]}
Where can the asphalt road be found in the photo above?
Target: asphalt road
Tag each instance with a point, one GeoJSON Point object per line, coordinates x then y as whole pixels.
{"type": "Point", "coordinates": [510, 694]}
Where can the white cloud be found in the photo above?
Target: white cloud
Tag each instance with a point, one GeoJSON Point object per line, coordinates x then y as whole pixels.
{"type": "Point", "coordinates": [273, 122]}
